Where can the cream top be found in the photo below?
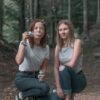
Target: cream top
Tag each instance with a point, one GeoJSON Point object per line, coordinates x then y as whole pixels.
{"type": "Point", "coordinates": [33, 57]}
{"type": "Point", "coordinates": [65, 56]}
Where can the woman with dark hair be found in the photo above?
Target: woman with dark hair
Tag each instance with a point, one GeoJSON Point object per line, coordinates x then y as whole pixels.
{"type": "Point", "coordinates": [32, 58]}
{"type": "Point", "coordinates": [68, 72]}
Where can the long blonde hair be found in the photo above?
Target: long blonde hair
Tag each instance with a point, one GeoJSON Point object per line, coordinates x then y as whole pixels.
{"type": "Point", "coordinates": [71, 37]}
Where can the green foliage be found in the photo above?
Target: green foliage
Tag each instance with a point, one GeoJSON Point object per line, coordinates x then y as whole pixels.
{"type": "Point", "coordinates": [92, 12]}
{"type": "Point", "coordinates": [77, 14]}
{"type": "Point", "coordinates": [50, 10]}
{"type": "Point", "coordinates": [11, 17]}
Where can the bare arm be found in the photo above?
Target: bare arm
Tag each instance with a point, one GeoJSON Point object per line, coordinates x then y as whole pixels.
{"type": "Point", "coordinates": [21, 51]}
{"type": "Point", "coordinates": [44, 66]}
{"type": "Point", "coordinates": [20, 55]}
{"type": "Point", "coordinates": [76, 53]}
{"type": "Point", "coordinates": [56, 73]}
{"type": "Point", "coordinates": [56, 67]}
{"type": "Point", "coordinates": [43, 70]}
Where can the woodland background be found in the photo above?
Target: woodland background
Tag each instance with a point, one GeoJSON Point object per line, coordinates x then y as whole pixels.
{"type": "Point", "coordinates": [15, 16]}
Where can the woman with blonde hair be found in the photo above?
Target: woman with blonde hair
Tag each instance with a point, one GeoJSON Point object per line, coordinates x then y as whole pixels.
{"type": "Point", "coordinates": [68, 72]}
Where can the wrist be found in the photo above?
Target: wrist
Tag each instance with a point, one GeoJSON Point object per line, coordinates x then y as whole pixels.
{"type": "Point", "coordinates": [23, 43]}
{"type": "Point", "coordinates": [58, 86]}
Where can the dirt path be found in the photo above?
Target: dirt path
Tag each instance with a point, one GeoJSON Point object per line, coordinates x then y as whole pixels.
{"type": "Point", "coordinates": [91, 69]}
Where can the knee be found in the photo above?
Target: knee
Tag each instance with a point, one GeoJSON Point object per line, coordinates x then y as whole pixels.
{"type": "Point", "coordinates": [45, 88]}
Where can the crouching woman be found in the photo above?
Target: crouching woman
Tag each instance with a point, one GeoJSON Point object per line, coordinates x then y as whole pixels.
{"type": "Point", "coordinates": [68, 72]}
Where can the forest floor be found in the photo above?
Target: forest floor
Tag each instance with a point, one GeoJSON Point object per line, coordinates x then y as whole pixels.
{"type": "Point", "coordinates": [91, 68]}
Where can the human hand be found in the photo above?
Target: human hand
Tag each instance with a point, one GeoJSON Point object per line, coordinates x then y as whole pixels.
{"type": "Point", "coordinates": [25, 36]}
{"type": "Point", "coordinates": [41, 76]}
{"type": "Point", "coordinates": [60, 93]}
{"type": "Point", "coordinates": [70, 64]}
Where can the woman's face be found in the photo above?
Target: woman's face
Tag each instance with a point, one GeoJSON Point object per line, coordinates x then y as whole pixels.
{"type": "Point", "coordinates": [38, 31]}
{"type": "Point", "coordinates": [63, 31]}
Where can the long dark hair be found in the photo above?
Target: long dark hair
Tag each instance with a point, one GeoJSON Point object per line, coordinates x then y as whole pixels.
{"type": "Point", "coordinates": [31, 28]}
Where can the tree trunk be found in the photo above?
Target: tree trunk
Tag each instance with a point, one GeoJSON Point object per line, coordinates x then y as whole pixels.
{"type": "Point", "coordinates": [22, 18]}
{"type": "Point", "coordinates": [85, 17]}
{"type": "Point", "coordinates": [36, 5]}
{"type": "Point", "coordinates": [69, 9]}
{"type": "Point", "coordinates": [1, 19]}
{"type": "Point", "coordinates": [98, 11]}
{"type": "Point", "coordinates": [30, 10]}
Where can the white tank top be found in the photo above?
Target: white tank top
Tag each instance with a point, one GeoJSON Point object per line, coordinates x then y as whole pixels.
{"type": "Point", "coordinates": [65, 56]}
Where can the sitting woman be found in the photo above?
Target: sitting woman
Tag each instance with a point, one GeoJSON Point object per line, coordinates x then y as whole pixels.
{"type": "Point", "coordinates": [32, 58]}
{"type": "Point", "coordinates": [69, 76]}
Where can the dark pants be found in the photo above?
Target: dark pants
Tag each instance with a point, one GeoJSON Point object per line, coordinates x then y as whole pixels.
{"type": "Point", "coordinates": [29, 85]}
{"type": "Point", "coordinates": [71, 82]}
{"type": "Point", "coordinates": [53, 96]}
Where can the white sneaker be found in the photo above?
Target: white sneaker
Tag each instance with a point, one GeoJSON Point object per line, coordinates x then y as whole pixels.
{"type": "Point", "coordinates": [19, 96]}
